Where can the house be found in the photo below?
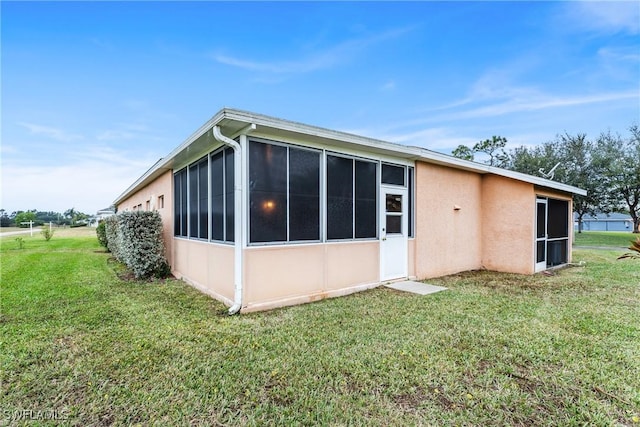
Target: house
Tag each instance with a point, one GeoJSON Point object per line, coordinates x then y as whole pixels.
{"type": "Point", "coordinates": [261, 212]}
{"type": "Point", "coordinates": [605, 222]}
{"type": "Point", "coordinates": [102, 214]}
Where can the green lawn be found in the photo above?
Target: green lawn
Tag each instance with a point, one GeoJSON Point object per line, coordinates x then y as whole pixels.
{"type": "Point", "coordinates": [495, 349]}
{"type": "Point", "coordinates": [616, 239]}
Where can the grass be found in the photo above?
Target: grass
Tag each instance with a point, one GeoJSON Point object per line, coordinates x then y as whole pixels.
{"type": "Point", "coordinates": [495, 349]}
{"type": "Point", "coordinates": [618, 239]}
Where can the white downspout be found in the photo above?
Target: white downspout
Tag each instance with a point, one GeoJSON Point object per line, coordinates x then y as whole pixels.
{"type": "Point", "coordinates": [238, 237]}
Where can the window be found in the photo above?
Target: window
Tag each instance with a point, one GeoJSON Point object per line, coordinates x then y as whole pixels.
{"type": "Point", "coordinates": [267, 192]}
{"type": "Point", "coordinates": [199, 199]}
{"type": "Point", "coordinates": [284, 193]}
{"type": "Point", "coordinates": [339, 198]}
{"type": "Point", "coordinates": [217, 196]}
{"type": "Point", "coordinates": [229, 194]}
{"type": "Point", "coordinates": [393, 175]}
{"type": "Point", "coordinates": [393, 208]}
{"type": "Point", "coordinates": [148, 207]}
{"type": "Point", "coordinates": [205, 184]}
{"type": "Point", "coordinates": [366, 200]}
{"type": "Point", "coordinates": [351, 198]}
{"type": "Point", "coordinates": [161, 202]}
{"type": "Point", "coordinates": [304, 195]}
{"type": "Point", "coordinates": [180, 203]}
{"type": "Point", "coordinates": [222, 196]}
{"type": "Point", "coordinates": [558, 222]}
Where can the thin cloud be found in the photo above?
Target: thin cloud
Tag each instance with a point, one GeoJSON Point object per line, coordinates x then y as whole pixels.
{"type": "Point", "coordinates": [7, 149]}
{"type": "Point", "coordinates": [310, 64]}
{"type": "Point", "coordinates": [603, 17]}
{"type": "Point", "coordinates": [50, 132]}
{"type": "Point", "coordinates": [388, 86]}
{"type": "Point", "coordinates": [127, 132]}
{"type": "Point", "coordinates": [624, 54]}
{"type": "Point", "coordinates": [103, 44]}
{"type": "Point", "coordinates": [87, 186]}
{"type": "Point", "coordinates": [541, 103]}
{"type": "Point", "coordinates": [439, 138]}
{"type": "Point", "coordinates": [107, 155]}
{"type": "Point", "coordinates": [328, 58]}
{"type": "Point", "coordinates": [87, 180]}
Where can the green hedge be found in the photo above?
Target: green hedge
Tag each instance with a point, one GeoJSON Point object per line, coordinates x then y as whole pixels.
{"type": "Point", "coordinates": [101, 232]}
{"type": "Point", "coordinates": [135, 239]}
{"type": "Point", "coordinates": [113, 236]}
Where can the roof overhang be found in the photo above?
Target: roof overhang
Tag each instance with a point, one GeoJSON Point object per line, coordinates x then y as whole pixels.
{"type": "Point", "coordinates": [234, 122]}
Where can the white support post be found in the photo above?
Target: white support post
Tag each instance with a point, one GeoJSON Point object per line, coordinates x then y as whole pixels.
{"type": "Point", "coordinates": [30, 226]}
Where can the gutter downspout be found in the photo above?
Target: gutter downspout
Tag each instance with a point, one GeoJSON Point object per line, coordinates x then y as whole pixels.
{"type": "Point", "coordinates": [237, 177]}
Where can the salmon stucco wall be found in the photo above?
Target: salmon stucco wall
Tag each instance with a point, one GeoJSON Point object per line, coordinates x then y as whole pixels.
{"type": "Point", "coordinates": [159, 194]}
{"type": "Point", "coordinates": [508, 220]}
{"type": "Point", "coordinates": [207, 266]}
{"type": "Point", "coordinates": [448, 220]}
{"type": "Point", "coordinates": [411, 253]}
{"type": "Point", "coordinates": [283, 275]}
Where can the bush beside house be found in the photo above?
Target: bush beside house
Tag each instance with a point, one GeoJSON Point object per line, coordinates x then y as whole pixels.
{"type": "Point", "coordinates": [135, 239]}
{"type": "Point", "coordinates": [101, 231]}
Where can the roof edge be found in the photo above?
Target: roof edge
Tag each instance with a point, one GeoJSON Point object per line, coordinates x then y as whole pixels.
{"type": "Point", "coordinates": [417, 153]}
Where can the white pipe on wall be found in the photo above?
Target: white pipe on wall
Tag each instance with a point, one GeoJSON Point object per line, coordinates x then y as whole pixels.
{"type": "Point", "coordinates": [238, 237]}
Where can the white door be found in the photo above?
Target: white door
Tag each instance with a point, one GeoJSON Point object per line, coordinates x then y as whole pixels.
{"type": "Point", "coordinates": [541, 235]}
{"type": "Point", "coordinates": [393, 233]}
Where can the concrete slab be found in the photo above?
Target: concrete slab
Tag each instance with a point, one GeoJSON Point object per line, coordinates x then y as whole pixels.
{"type": "Point", "coordinates": [415, 287]}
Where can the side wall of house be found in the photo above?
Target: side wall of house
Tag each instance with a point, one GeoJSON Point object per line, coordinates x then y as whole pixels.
{"type": "Point", "coordinates": [206, 266]}
{"type": "Point", "coordinates": [159, 195]}
{"type": "Point", "coordinates": [448, 220]}
{"type": "Point", "coordinates": [508, 221]}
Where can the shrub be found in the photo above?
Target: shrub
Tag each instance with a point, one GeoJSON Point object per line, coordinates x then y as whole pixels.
{"type": "Point", "coordinates": [47, 233]}
{"type": "Point", "coordinates": [112, 236]}
{"type": "Point", "coordinates": [135, 238]}
{"type": "Point", "coordinates": [635, 247]}
{"type": "Point", "coordinates": [101, 232]}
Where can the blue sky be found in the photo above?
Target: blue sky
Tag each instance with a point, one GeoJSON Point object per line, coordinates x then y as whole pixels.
{"type": "Point", "coordinates": [94, 93]}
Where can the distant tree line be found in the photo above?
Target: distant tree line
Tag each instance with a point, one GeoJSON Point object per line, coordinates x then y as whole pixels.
{"type": "Point", "coordinates": [608, 167]}
{"type": "Point", "coordinates": [70, 217]}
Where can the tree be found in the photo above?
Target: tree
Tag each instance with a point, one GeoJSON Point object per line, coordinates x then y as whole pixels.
{"type": "Point", "coordinates": [616, 161]}
{"type": "Point", "coordinates": [69, 213]}
{"type": "Point", "coordinates": [537, 160]}
{"type": "Point", "coordinates": [567, 159]}
{"type": "Point", "coordinates": [24, 217]}
{"type": "Point", "coordinates": [494, 148]}
{"type": "Point", "coordinates": [5, 221]}
{"type": "Point", "coordinates": [576, 157]}
{"type": "Point", "coordinates": [75, 217]}
{"type": "Point", "coordinates": [463, 152]}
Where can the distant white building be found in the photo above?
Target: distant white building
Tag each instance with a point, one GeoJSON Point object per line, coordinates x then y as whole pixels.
{"type": "Point", "coordinates": [102, 214]}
